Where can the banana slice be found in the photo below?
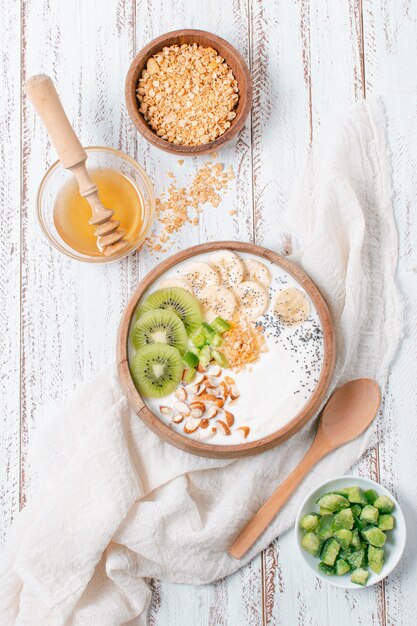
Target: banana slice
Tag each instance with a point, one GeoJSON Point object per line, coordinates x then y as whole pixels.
{"type": "Point", "coordinates": [229, 266]}
{"type": "Point", "coordinates": [217, 301]}
{"type": "Point", "coordinates": [199, 275]}
{"type": "Point", "coordinates": [175, 282]}
{"type": "Point", "coordinates": [291, 306]}
{"type": "Point", "coordinates": [253, 298]}
{"type": "Point", "coordinates": [254, 270]}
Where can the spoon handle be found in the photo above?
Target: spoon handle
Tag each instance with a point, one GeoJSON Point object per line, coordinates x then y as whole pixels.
{"type": "Point", "coordinates": [254, 529]}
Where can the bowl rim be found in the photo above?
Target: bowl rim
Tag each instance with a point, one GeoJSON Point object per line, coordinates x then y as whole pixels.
{"type": "Point", "coordinates": [338, 581]}
{"type": "Point", "coordinates": [74, 255]}
{"type": "Point", "coordinates": [225, 49]}
{"type": "Point", "coordinates": [243, 449]}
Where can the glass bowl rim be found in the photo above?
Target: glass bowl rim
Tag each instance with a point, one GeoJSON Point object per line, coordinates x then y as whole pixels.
{"type": "Point", "coordinates": [149, 215]}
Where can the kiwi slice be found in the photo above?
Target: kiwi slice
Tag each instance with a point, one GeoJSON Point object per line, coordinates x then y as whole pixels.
{"type": "Point", "coordinates": [156, 370]}
{"type": "Point", "coordinates": [178, 300]}
{"type": "Point", "coordinates": [160, 326]}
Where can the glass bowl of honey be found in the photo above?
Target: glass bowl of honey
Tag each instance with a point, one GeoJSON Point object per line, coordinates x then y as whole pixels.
{"type": "Point", "coordinates": [123, 186]}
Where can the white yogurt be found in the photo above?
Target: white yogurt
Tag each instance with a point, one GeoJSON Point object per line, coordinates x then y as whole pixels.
{"type": "Point", "coordinates": [274, 389]}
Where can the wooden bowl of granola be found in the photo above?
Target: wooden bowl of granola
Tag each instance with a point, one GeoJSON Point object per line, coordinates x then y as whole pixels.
{"type": "Point", "coordinates": [280, 428]}
{"type": "Point", "coordinates": [188, 92]}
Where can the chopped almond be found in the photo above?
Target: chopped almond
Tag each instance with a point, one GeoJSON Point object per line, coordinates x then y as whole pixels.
{"type": "Point", "coordinates": [208, 397]}
{"type": "Point", "coordinates": [196, 412]}
{"type": "Point", "coordinates": [198, 405]}
{"type": "Point", "coordinates": [191, 425]}
{"type": "Point", "coordinates": [244, 431]}
{"type": "Point", "coordinates": [177, 419]}
{"type": "Point", "coordinates": [219, 402]}
{"type": "Point", "coordinates": [204, 423]}
{"type": "Point", "coordinates": [224, 429]}
{"type": "Point", "coordinates": [166, 410]}
{"type": "Point", "coordinates": [212, 412]}
{"type": "Point", "coordinates": [182, 407]}
{"type": "Point", "coordinates": [229, 417]}
{"type": "Point", "coordinates": [180, 393]}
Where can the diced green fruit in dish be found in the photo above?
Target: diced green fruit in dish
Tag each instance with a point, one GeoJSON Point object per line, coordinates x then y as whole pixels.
{"type": "Point", "coordinates": [344, 537]}
{"type": "Point", "coordinates": [159, 326]}
{"type": "Point", "coordinates": [220, 325]}
{"type": "Point", "coordinates": [216, 340]}
{"type": "Point", "coordinates": [220, 358]}
{"type": "Point", "coordinates": [309, 522]}
{"type": "Point", "coordinates": [356, 509]}
{"type": "Point", "coordinates": [386, 521]}
{"type": "Point", "coordinates": [358, 523]}
{"type": "Point", "coordinates": [342, 492]}
{"type": "Point", "coordinates": [370, 496]}
{"type": "Point", "coordinates": [375, 559]}
{"type": "Point", "coordinates": [356, 559]}
{"type": "Point", "coordinates": [323, 511]}
{"type": "Point", "coordinates": [341, 567]}
{"type": "Point", "coordinates": [198, 338]}
{"type": "Point", "coordinates": [384, 504]}
{"type": "Point", "coordinates": [343, 519]}
{"type": "Point", "coordinates": [355, 495]}
{"type": "Point", "coordinates": [204, 356]}
{"type": "Point", "coordinates": [369, 514]}
{"type": "Point", "coordinates": [326, 569]}
{"type": "Point", "coordinates": [207, 330]}
{"type": "Point", "coordinates": [190, 359]}
{"type": "Point", "coordinates": [333, 502]}
{"type": "Point", "coordinates": [360, 576]}
{"type": "Point", "coordinates": [189, 375]}
{"type": "Point", "coordinates": [156, 370]}
{"type": "Point", "coordinates": [375, 536]}
{"type": "Point", "coordinates": [311, 543]}
{"type": "Point", "coordinates": [325, 528]}
{"type": "Point", "coordinates": [330, 551]}
{"type": "Point", "coordinates": [178, 300]}
{"type": "Point", "coordinates": [356, 543]}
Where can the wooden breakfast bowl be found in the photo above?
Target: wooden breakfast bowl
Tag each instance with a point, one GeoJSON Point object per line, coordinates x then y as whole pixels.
{"type": "Point", "coordinates": [243, 449]}
{"type": "Point", "coordinates": [178, 37]}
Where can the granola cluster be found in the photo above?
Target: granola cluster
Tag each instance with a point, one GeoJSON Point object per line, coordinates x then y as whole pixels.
{"type": "Point", "coordinates": [188, 94]}
{"type": "Point", "coordinates": [181, 205]}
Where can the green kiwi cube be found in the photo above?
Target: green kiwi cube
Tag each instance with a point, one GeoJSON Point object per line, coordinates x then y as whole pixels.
{"type": "Point", "coordinates": [190, 359]}
{"type": "Point", "coordinates": [356, 559]}
{"type": "Point", "coordinates": [355, 495]}
{"type": "Point", "coordinates": [323, 511]}
{"type": "Point", "coordinates": [356, 509]}
{"type": "Point", "coordinates": [189, 375]}
{"type": "Point", "coordinates": [328, 570]}
{"type": "Point", "coordinates": [341, 567]}
{"type": "Point", "coordinates": [325, 528]}
{"type": "Point", "coordinates": [344, 537]}
{"type": "Point", "coordinates": [221, 325]}
{"type": "Point", "coordinates": [356, 540]}
{"type": "Point", "coordinates": [370, 496]}
{"type": "Point", "coordinates": [309, 522]}
{"type": "Point", "coordinates": [333, 502]}
{"type": "Point", "coordinates": [369, 514]}
{"type": "Point", "coordinates": [343, 519]}
{"type": "Point", "coordinates": [375, 559]}
{"type": "Point", "coordinates": [220, 359]}
{"type": "Point", "coordinates": [330, 551]}
{"type": "Point", "coordinates": [386, 521]}
{"type": "Point", "coordinates": [384, 504]}
{"type": "Point", "coordinates": [311, 543]}
{"type": "Point", "coordinates": [375, 536]}
{"type": "Point", "coordinates": [360, 576]}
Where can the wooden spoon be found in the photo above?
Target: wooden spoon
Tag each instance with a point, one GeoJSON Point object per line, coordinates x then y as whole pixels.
{"type": "Point", "coordinates": [42, 93]}
{"type": "Point", "coordinates": [346, 415]}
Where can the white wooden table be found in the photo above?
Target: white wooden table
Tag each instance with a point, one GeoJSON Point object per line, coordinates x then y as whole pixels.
{"type": "Point", "coordinates": [59, 318]}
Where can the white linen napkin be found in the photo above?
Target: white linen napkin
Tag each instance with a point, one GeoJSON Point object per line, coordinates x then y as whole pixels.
{"type": "Point", "coordinates": [116, 505]}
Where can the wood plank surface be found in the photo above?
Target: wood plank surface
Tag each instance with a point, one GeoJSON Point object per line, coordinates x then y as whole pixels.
{"type": "Point", "coordinates": [309, 59]}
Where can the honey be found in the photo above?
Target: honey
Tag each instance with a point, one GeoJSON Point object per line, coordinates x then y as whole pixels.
{"type": "Point", "coordinates": [72, 211]}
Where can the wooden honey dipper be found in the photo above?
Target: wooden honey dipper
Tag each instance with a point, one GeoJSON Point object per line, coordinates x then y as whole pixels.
{"type": "Point", "coordinates": [43, 95]}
